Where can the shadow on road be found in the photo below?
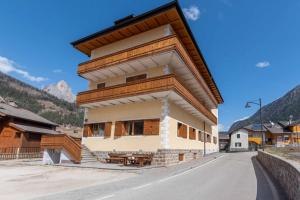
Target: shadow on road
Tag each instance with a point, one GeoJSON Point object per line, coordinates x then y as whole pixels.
{"type": "Point", "coordinates": [264, 189]}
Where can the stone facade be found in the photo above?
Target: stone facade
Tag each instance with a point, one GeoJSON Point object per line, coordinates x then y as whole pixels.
{"type": "Point", "coordinates": [286, 172]}
{"type": "Point", "coordinates": [163, 157]}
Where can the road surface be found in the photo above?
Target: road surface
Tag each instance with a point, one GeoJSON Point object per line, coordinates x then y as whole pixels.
{"type": "Point", "coordinates": [233, 176]}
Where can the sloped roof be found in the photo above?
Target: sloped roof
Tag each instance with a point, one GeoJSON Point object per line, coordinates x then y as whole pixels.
{"type": "Point", "coordinates": [276, 128]}
{"type": "Point", "coordinates": [33, 129]}
{"type": "Point", "coordinates": [169, 13]}
{"type": "Point", "coordinates": [8, 110]}
{"type": "Point", "coordinates": [255, 127]}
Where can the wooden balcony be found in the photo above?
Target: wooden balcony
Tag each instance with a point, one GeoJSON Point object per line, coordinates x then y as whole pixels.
{"type": "Point", "coordinates": [141, 87]}
{"type": "Point", "coordinates": [169, 43]}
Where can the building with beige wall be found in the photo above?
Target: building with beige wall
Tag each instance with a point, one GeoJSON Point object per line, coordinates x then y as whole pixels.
{"type": "Point", "coordinates": [149, 90]}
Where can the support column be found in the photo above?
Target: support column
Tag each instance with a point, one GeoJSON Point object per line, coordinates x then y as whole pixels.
{"type": "Point", "coordinates": [165, 124]}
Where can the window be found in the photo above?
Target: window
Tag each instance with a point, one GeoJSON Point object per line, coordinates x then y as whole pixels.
{"type": "Point", "coordinates": [201, 136]}
{"type": "Point", "coordinates": [100, 85]}
{"type": "Point", "coordinates": [215, 140]}
{"type": "Point", "coordinates": [98, 129]}
{"type": "Point", "coordinates": [238, 135]}
{"type": "Point", "coordinates": [181, 130]}
{"type": "Point", "coordinates": [135, 78]}
{"type": "Point", "coordinates": [33, 136]}
{"type": "Point", "coordinates": [134, 127]}
{"type": "Point", "coordinates": [208, 138]}
{"type": "Point", "coordinates": [18, 135]}
{"type": "Point", "coordinates": [238, 144]}
{"type": "Point", "coordinates": [192, 133]}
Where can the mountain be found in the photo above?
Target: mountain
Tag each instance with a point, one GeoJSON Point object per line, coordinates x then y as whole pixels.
{"type": "Point", "coordinates": [40, 102]}
{"type": "Point", "coordinates": [61, 90]}
{"type": "Point", "coordinates": [279, 110]}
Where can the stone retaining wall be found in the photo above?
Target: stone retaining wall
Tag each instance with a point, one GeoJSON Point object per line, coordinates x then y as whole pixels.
{"type": "Point", "coordinates": [163, 157]}
{"type": "Point", "coordinates": [286, 172]}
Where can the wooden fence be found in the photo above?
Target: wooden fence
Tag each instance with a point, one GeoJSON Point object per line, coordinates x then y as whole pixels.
{"type": "Point", "coordinates": [9, 153]}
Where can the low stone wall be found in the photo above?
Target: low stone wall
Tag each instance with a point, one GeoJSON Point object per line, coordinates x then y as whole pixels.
{"type": "Point", "coordinates": [163, 157]}
{"type": "Point", "coordinates": [286, 172]}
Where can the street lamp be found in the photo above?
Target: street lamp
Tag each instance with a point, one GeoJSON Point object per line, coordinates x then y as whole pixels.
{"type": "Point", "coordinates": [258, 102]}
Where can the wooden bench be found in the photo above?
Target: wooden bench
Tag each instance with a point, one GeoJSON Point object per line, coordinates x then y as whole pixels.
{"type": "Point", "coordinates": [117, 158]}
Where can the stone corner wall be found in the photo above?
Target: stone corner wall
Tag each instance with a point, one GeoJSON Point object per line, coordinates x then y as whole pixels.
{"type": "Point", "coordinates": [162, 157]}
{"type": "Point", "coordinates": [286, 172]}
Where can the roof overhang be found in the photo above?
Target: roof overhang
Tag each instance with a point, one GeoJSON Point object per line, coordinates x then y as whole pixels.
{"type": "Point", "coordinates": [170, 13]}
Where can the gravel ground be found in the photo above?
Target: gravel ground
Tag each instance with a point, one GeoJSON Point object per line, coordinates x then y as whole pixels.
{"type": "Point", "coordinates": [25, 182]}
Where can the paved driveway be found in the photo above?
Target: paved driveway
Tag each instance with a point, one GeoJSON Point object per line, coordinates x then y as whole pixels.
{"type": "Point", "coordinates": [235, 176]}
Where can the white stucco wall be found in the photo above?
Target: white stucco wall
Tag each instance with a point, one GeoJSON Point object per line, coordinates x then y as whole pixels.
{"type": "Point", "coordinates": [243, 140]}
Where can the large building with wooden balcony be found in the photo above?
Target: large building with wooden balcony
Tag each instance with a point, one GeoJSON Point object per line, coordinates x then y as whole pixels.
{"type": "Point", "coordinates": [150, 88]}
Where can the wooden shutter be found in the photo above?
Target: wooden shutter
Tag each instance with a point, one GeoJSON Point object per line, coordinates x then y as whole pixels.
{"type": "Point", "coordinates": [192, 133]}
{"type": "Point", "coordinates": [151, 127]}
{"type": "Point", "coordinates": [184, 130]}
{"type": "Point", "coordinates": [107, 129]}
{"type": "Point", "coordinates": [87, 130]}
{"type": "Point", "coordinates": [119, 129]}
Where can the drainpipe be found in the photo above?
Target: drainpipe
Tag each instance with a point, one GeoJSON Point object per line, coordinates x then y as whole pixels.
{"type": "Point", "coordinates": [204, 152]}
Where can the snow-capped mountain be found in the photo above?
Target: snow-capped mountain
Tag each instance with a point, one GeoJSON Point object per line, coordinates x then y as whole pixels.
{"type": "Point", "coordinates": [61, 90]}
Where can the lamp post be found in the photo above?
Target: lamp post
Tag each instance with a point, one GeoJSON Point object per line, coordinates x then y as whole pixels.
{"type": "Point", "coordinates": [258, 102]}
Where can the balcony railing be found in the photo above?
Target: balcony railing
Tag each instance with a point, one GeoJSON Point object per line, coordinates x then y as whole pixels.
{"type": "Point", "coordinates": [151, 85]}
{"type": "Point", "coordinates": [168, 43]}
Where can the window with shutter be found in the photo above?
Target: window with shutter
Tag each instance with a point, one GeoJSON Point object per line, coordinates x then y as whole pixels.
{"type": "Point", "coordinates": [192, 133]}
{"type": "Point", "coordinates": [181, 130]}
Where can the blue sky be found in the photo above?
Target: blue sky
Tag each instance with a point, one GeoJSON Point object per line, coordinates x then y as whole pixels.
{"type": "Point", "coordinates": [252, 47]}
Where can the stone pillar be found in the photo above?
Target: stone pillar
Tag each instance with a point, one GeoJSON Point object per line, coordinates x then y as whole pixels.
{"type": "Point", "coordinates": [164, 124]}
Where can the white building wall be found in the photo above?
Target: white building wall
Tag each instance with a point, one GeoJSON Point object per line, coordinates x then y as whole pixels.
{"type": "Point", "coordinates": [243, 139]}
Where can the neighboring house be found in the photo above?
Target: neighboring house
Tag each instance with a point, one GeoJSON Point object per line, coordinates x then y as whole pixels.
{"type": "Point", "coordinates": [278, 134]}
{"type": "Point", "coordinates": [150, 89]}
{"type": "Point", "coordinates": [20, 128]}
{"type": "Point", "coordinates": [239, 140]}
{"type": "Point", "coordinates": [224, 141]}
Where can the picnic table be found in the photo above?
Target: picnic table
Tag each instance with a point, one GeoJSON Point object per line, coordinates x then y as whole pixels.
{"type": "Point", "coordinates": [132, 159]}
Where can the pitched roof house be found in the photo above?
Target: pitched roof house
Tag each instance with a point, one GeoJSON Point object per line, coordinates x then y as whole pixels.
{"type": "Point", "coordinates": [22, 128]}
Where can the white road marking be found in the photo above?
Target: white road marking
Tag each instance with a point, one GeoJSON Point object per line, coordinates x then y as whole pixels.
{"type": "Point", "coordinates": [107, 197]}
{"type": "Point", "coordinates": [142, 186]}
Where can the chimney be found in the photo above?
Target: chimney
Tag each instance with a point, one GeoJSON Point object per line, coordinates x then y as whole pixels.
{"type": "Point", "coordinates": [124, 19]}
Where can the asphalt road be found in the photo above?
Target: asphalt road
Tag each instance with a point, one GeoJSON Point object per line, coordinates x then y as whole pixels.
{"type": "Point", "coordinates": [235, 176]}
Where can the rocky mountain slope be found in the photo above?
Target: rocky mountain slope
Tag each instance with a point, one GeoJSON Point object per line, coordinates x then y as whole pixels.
{"type": "Point", "coordinates": [61, 90]}
{"type": "Point", "coordinates": [40, 102]}
{"type": "Point", "coordinates": [278, 110]}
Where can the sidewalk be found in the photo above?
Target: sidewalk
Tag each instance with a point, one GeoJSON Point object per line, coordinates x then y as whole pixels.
{"type": "Point", "coordinates": [106, 166]}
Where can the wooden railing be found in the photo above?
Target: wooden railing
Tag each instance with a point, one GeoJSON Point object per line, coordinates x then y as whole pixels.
{"type": "Point", "coordinates": [8, 153]}
{"type": "Point", "coordinates": [160, 45]}
{"type": "Point", "coordinates": [63, 141]}
{"type": "Point", "coordinates": [156, 84]}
